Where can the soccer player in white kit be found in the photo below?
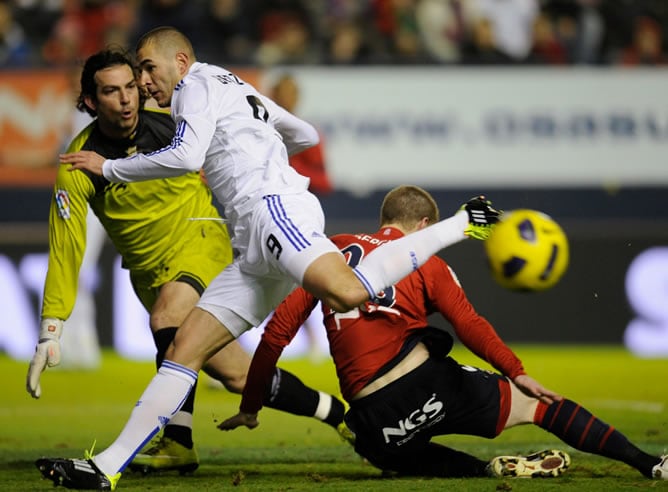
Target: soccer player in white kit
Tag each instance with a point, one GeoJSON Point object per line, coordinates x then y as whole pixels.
{"type": "Point", "coordinates": [244, 140]}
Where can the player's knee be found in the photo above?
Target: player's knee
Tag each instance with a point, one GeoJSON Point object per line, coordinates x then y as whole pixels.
{"type": "Point", "coordinates": [522, 408]}
{"type": "Point", "coordinates": [162, 318]}
{"type": "Point", "coordinates": [332, 281]}
{"type": "Point", "coordinates": [235, 384]}
{"type": "Point", "coordinates": [344, 297]}
{"type": "Point", "coordinates": [343, 303]}
{"type": "Point", "coordinates": [233, 381]}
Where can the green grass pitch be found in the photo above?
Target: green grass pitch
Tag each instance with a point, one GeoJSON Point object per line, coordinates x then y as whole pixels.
{"type": "Point", "coordinates": [289, 453]}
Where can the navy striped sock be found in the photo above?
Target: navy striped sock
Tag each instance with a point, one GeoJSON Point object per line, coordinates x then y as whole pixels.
{"type": "Point", "coordinates": [577, 427]}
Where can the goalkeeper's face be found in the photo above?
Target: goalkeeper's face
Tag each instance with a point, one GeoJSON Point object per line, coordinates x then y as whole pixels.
{"type": "Point", "coordinates": [117, 100]}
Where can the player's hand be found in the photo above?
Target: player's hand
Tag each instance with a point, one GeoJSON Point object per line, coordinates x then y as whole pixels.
{"type": "Point", "coordinates": [530, 387]}
{"type": "Point", "coordinates": [247, 419]}
{"type": "Point", "coordinates": [84, 159]}
{"type": "Point", "coordinates": [47, 353]}
{"type": "Point", "coordinates": [482, 217]}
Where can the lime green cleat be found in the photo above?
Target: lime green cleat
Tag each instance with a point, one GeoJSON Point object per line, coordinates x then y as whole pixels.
{"type": "Point", "coordinates": [164, 455]}
{"type": "Point", "coordinates": [345, 433]}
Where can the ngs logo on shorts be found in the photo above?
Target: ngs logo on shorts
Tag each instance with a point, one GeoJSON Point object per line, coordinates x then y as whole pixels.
{"type": "Point", "coordinates": [418, 420]}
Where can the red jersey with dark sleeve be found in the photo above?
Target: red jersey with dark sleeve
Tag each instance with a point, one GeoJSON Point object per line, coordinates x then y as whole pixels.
{"type": "Point", "coordinates": [363, 340]}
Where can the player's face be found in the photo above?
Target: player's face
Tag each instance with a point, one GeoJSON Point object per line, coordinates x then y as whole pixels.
{"type": "Point", "coordinates": [117, 103]}
{"type": "Point", "coordinates": [158, 73]}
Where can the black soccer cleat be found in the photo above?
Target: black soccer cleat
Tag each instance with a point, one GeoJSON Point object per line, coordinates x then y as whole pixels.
{"type": "Point", "coordinates": [76, 474]}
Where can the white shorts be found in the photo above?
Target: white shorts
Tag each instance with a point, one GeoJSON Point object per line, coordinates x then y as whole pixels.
{"type": "Point", "coordinates": [276, 241]}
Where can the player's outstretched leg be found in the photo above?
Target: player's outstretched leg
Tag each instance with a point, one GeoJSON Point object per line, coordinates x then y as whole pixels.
{"type": "Point", "coordinates": [436, 460]}
{"type": "Point", "coordinates": [174, 449]}
{"type": "Point", "coordinates": [577, 427]}
{"type": "Point", "coordinates": [289, 394]}
{"type": "Point", "coordinates": [548, 463]}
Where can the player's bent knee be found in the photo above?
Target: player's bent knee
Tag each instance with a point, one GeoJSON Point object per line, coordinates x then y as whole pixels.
{"type": "Point", "coordinates": [230, 366]}
{"type": "Point", "coordinates": [200, 336]}
{"type": "Point", "coordinates": [160, 320]}
{"type": "Point", "coordinates": [341, 300]}
{"type": "Point", "coordinates": [522, 408]}
{"type": "Point", "coordinates": [233, 381]}
{"type": "Point", "coordinates": [235, 384]}
{"type": "Point", "coordinates": [338, 304]}
{"type": "Point", "coordinates": [331, 280]}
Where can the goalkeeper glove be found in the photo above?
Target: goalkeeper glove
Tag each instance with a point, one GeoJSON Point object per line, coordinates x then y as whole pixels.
{"type": "Point", "coordinates": [47, 353]}
{"type": "Point", "coordinates": [482, 217]}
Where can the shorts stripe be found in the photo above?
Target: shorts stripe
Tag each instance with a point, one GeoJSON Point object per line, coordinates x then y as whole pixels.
{"type": "Point", "coordinates": [284, 223]}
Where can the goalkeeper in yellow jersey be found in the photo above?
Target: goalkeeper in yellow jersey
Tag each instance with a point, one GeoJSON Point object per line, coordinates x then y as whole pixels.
{"type": "Point", "coordinates": [172, 240]}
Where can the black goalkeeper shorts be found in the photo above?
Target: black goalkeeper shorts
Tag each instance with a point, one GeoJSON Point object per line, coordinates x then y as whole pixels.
{"type": "Point", "coordinates": [437, 398]}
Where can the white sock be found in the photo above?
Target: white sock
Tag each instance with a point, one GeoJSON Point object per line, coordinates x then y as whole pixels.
{"type": "Point", "coordinates": [390, 262]}
{"type": "Point", "coordinates": [162, 398]}
{"type": "Point", "coordinates": [324, 406]}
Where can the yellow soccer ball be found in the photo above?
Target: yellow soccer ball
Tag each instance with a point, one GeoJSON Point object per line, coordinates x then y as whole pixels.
{"type": "Point", "coordinates": [527, 251]}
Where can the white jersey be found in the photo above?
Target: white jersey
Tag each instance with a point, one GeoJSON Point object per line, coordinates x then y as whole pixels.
{"type": "Point", "coordinates": [242, 138]}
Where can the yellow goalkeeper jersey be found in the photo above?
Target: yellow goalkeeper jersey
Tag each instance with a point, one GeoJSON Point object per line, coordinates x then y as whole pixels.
{"type": "Point", "coordinates": [146, 221]}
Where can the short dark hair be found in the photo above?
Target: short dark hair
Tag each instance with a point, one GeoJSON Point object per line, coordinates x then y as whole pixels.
{"type": "Point", "coordinates": [106, 58]}
{"type": "Point", "coordinates": [168, 39]}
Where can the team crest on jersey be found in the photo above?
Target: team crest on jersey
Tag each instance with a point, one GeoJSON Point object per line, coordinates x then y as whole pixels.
{"type": "Point", "coordinates": [63, 204]}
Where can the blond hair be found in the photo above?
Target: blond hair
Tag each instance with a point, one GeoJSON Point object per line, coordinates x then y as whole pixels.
{"type": "Point", "coordinates": [407, 205]}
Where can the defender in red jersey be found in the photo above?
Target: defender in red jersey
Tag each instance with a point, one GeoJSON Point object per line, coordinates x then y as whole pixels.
{"type": "Point", "coordinates": [403, 388]}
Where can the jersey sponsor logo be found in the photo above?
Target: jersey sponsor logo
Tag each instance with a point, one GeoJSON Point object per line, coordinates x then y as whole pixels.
{"type": "Point", "coordinates": [63, 204]}
{"type": "Point", "coordinates": [419, 419]}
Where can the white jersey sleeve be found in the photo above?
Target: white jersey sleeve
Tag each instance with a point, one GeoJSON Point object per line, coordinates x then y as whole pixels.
{"type": "Point", "coordinates": [195, 126]}
{"type": "Point", "coordinates": [297, 134]}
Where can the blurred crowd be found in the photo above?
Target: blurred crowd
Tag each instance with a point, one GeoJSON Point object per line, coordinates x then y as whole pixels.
{"type": "Point", "coordinates": [43, 33]}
